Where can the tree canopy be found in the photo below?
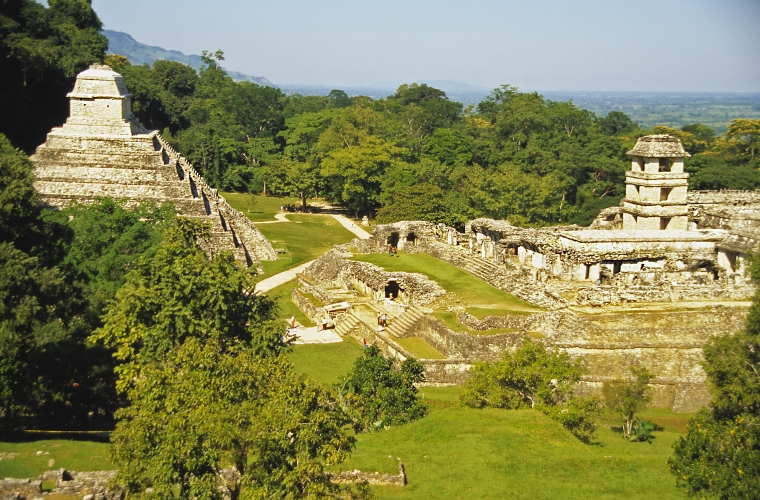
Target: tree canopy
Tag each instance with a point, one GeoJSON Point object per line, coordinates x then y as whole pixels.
{"type": "Point", "coordinates": [720, 454]}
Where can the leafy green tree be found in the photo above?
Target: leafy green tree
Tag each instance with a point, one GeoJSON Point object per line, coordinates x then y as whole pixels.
{"type": "Point", "coordinates": [338, 99]}
{"type": "Point", "coordinates": [107, 241]}
{"type": "Point", "coordinates": [421, 202]}
{"type": "Point", "coordinates": [207, 409]}
{"type": "Point", "coordinates": [533, 377]}
{"type": "Point", "coordinates": [179, 293]}
{"type": "Point", "coordinates": [700, 131]}
{"type": "Point", "coordinates": [378, 394]}
{"type": "Point", "coordinates": [48, 372]}
{"type": "Point", "coordinates": [41, 51]}
{"type": "Point", "coordinates": [626, 398]}
{"type": "Point", "coordinates": [616, 123]}
{"type": "Point", "coordinates": [719, 456]}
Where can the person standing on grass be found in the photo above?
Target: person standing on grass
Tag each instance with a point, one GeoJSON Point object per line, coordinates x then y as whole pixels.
{"type": "Point", "coordinates": [364, 341]}
{"type": "Point", "coordinates": [390, 250]}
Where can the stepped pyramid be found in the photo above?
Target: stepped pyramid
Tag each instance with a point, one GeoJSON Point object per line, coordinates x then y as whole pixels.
{"type": "Point", "coordinates": [103, 151]}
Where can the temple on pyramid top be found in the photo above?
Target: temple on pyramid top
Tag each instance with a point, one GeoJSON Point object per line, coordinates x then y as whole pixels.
{"type": "Point", "coordinates": [103, 151]}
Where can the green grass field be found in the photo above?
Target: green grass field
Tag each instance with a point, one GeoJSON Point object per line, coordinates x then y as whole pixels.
{"type": "Point", "coordinates": [472, 290]}
{"type": "Point", "coordinates": [306, 238]}
{"type": "Point", "coordinates": [281, 295]}
{"type": "Point", "coordinates": [458, 452]}
{"type": "Point", "coordinates": [325, 363]}
{"type": "Point", "coordinates": [419, 348]}
{"type": "Point", "coordinates": [71, 455]}
{"type": "Point", "coordinates": [258, 208]}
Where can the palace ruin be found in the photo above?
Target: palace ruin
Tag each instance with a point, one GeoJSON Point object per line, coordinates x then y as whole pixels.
{"type": "Point", "coordinates": [648, 283]}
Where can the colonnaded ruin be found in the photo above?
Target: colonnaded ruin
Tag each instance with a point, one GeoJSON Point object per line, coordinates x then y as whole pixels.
{"type": "Point", "coordinates": [103, 151]}
{"type": "Point", "coordinates": [648, 283]}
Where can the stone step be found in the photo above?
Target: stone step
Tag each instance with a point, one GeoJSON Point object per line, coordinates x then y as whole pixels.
{"type": "Point", "coordinates": [348, 323]}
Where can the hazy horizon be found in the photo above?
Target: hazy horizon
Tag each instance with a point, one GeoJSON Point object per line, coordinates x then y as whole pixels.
{"type": "Point", "coordinates": [586, 46]}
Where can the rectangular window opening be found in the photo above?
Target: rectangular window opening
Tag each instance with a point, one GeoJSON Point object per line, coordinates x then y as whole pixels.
{"type": "Point", "coordinates": [665, 164]}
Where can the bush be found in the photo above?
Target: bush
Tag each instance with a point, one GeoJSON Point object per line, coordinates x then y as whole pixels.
{"type": "Point", "coordinates": [534, 377]}
{"type": "Point", "coordinates": [378, 394]}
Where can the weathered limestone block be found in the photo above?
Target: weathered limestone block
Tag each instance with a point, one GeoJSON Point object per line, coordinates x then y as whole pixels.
{"type": "Point", "coordinates": [102, 151]}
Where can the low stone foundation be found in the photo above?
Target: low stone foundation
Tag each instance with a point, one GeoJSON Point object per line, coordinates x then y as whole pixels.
{"type": "Point", "coordinates": [357, 476]}
{"type": "Point", "coordinates": [94, 485]}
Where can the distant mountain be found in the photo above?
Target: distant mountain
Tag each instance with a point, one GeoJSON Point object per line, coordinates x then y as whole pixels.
{"type": "Point", "coordinates": [139, 53]}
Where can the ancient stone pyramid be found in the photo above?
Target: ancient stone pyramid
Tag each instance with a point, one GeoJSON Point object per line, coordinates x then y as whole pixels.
{"type": "Point", "coordinates": [103, 151]}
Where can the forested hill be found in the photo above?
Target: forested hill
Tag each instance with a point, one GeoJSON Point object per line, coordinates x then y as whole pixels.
{"type": "Point", "coordinates": [139, 53]}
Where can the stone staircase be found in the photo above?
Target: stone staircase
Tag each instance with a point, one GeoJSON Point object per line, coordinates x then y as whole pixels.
{"type": "Point", "coordinates": [400, 326]}
{"type": "Point", "coordinates": [347, 324]}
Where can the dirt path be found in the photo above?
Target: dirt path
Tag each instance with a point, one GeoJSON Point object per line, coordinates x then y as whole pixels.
{"type": "Point", "coordinates": [280, 278]}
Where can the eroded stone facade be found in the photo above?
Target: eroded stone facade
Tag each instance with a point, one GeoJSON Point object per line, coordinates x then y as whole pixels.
{"type": "Point", "coordinates": [631, 290]}
{"type": "Point", "coordinates": [103, 151]}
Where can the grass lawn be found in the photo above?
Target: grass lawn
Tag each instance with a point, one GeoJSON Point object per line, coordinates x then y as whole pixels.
{"type": "Point", "coordinates": [449, 320]}
{"type": "Point", "coordinates": [325, 363]}
{"type": "Point", "coordinates": [471, 289]}
{"type": "Point", "coordinates": [306, 238]}
{"type": "Point", "coordinates": [420, 348]}
{"type": "Point", "coordinates": [458, 452]}
{"type": "Point", "coordinates": [258, 208]}
{"type": "Point", "coordinates": [69, 454]}
{"type": "Point", "coordinates": [281, 295]}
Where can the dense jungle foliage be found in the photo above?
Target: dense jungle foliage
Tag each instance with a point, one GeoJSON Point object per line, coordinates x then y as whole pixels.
{"type": "Point", "coordinates": [416, 154]}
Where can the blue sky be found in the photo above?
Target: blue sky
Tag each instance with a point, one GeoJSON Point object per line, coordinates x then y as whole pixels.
{"type": "Point", "coordinates": [614, 45]}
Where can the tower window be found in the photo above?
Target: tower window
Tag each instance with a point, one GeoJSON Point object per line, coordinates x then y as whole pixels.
{"type": "Point", "coordinates": [665, 193]}
{"type": "Point", "coordinates": [664, 221]}
{"type": "Point", "coordinates": [665, 164]}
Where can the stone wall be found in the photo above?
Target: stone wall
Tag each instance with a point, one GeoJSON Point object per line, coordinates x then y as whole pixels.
{"type": "Point", "coordinates": [668, 342]}
{"type": "Point", "coordinates": [710, 291]}
{"type": "Point", "coordinates": [306, 306]}
{"type": "Point", "coordinates": [25, 488]}
{"type": "Point", "coordinates": [93, 485]}
{"type": "Point", "coordinates": [465, 346]}
{"type": "Point", "coordinates": [333, 269]}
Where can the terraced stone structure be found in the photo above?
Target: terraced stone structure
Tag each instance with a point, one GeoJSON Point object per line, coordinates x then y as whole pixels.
{"type": "Point", "coordinates": [103, 151]}
{"type": "Point", "coordinates": [646, 285]}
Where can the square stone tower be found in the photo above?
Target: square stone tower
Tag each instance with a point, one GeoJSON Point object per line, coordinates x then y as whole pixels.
{"type": "Point", "coordinates": [656, 185]}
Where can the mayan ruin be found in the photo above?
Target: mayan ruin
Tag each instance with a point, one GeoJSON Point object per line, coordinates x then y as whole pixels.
{"type": "Point", "coordinates": [647, 284]}
{"type": "Point", "coordinates": [103, 151]}
{"type": "Point", "coordinates": [277, 250]}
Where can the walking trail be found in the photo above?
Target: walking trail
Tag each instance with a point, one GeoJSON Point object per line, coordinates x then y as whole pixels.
{"type": "Point", "coordinates": [278, 279]}
{"type": "Point", "coordinates": [314, 334]}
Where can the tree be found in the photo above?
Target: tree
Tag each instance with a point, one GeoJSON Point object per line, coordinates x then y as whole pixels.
{"type": "Point", "coordinates": [626, 398]}
{"type": "Point", "coordinates": [41, 51]}
{"type": "Point", "coordinates": [720, 454]}
{"type": "Point", "coordinates": [533, 377]}
{"type": "Point", "coordinates": [208, 417]}
{"type": "Point", "coordinates": [378, 394]}
{"type": "Point", "coordinates": [180, 293]}
{"type": "Point", "coordinates": [420, 202]}
{"type": "Point", "coordinates": [616, 123]}
{"type": "Point", "coordinates": [48, 372]}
